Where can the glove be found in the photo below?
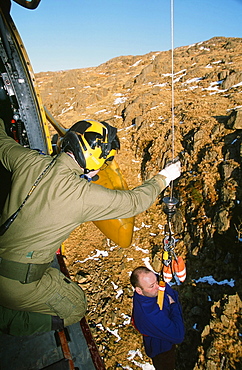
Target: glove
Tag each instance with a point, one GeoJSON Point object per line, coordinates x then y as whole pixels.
{"type": "Point", "coordinates": [171, 171]}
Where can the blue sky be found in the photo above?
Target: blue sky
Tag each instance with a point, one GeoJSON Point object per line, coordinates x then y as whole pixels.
{"type": "Point", "coordinates": [68, 34]}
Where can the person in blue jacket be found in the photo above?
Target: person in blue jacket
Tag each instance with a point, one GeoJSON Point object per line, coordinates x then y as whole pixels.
{"type": "Point", "coordinates": [162, 328]}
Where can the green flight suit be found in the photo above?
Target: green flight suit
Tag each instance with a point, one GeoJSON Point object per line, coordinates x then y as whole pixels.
{"type": "Point", "coordinates": [61, 202]}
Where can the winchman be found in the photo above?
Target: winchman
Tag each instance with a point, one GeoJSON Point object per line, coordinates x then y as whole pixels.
{"type": "Point", "coordinates": [50, 197]}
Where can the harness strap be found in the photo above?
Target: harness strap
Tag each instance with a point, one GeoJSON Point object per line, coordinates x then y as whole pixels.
{"type": "Point", "coordinates": [24, 272]}
{"type": "Point", "coordinates": [161, 292]}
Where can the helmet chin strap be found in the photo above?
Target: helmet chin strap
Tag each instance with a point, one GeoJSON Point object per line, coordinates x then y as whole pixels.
{"type": "Point", "coordinates": [91, 174]}
{"type": "Point", "coordinates": [87, 172]}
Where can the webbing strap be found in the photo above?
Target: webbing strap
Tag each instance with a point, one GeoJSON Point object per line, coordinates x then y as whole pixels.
{"type": "Point", "coordinates": [24, 272]}
{"type": "Point", "coordinates": [161, 292]}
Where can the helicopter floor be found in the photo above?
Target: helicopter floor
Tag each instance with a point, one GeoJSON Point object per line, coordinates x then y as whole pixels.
{"type": "Point", "coordinates": [44, 351]}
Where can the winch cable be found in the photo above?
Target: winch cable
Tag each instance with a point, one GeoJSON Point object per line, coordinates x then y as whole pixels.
{"type": "Point", "coordinates": [170, 202]}
{"type": "Point", "coordinates": [172, 90]}
{"type": "Point", "coordinates": [172, 79]}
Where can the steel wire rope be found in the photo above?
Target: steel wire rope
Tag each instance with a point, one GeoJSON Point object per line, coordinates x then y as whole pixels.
{"type": "Point", "coordinates": [172, 88]}
{"type": "Point", "coordinates": [170, 202]}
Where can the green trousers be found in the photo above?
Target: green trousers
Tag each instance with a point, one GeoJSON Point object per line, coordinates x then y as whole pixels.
{"type": "Point", "coordinates": [21, 323]}
{"type": "Point", "coordinates": [27, 308]}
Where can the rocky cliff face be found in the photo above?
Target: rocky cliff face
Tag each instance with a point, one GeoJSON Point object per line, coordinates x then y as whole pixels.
{"type": "Point", "coordinates": [133, 93]}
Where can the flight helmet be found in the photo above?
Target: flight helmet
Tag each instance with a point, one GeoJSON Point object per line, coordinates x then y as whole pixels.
{"type": "Point", "coordinates": [92, 143]}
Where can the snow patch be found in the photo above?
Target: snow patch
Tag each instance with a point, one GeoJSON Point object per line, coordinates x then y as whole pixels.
{"type": "Point", "coordinates": [120, 100]}
{"type": "Point", "coordinates": [211, 281]}
{"type": "Point", "coordinates": [136, 63]}
{"type": "Point", "coordinates": [96, 256]}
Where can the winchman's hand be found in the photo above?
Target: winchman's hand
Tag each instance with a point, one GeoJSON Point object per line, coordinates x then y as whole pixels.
{"type": "Point", "coordinates": [171, 171]}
